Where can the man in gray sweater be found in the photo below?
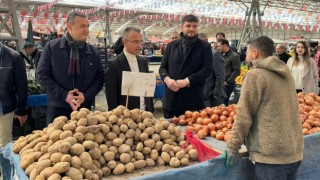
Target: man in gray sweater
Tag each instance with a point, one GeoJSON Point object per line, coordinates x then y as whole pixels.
{"type": "Point", "coordinates": [267, 116]}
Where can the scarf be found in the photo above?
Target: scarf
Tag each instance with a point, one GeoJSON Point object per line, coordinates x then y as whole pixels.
{"type": "Point", "coordinates": [74, 62]}
{"type": "Point", "coordinates": [187, 42]}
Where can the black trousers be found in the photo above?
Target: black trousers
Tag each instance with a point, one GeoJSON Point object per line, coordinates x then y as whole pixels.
{"type": "Point", "coordinates": [170, 114]}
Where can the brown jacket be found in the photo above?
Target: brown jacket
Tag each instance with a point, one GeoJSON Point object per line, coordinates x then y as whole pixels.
{"type": "Point", "coordinates": [310, 78]}
{"type": "Point", "coordinates": [268, 115]}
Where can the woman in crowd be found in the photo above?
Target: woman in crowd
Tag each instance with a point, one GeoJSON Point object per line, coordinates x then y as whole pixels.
{"type": "Point", "coordinates": [303, 69]}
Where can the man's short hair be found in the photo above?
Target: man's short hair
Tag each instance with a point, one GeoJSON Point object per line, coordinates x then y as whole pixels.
{"type": "Point", "coordinates": [27, 45]}
{"type": "Point", "coordinates": [282, 46]}
{"type": "Point", "coordinates": [128, 30]}
{"type": "Point", "coordinates": [72, 16]}
{"type": "Point", "coordinates": [190, 18]}
{"type": "Point", "coordinates": [203, 36]}
{"type": "Point", "coordinates": [224, 42]}
{"type": "Point", "coordinates": [264, 44]}
{"type": "Point", "coordinates": [222, 34]}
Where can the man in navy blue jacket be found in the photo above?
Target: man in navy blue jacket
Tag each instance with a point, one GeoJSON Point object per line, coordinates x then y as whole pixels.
{"type": "Point", "coordinates": [70, 70]}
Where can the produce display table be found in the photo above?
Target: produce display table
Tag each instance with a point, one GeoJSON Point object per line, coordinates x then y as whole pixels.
{"type": "Point", "coordinates": [214, 168]}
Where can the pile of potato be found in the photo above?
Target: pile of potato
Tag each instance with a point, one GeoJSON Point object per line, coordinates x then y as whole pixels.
{"type": "Point", "coordinates": [96, 144]}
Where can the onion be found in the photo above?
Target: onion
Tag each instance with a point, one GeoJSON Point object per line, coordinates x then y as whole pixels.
{"type": "Point", "coordinates": [214, 117]}
{"type": "Point", "coordinates": [203, 114]}
{"type": "Point", "coordinates": [202, 134]}
{"type": "Point", "coordinates": [195, 115]}
{"type": "Point", "coordinates": [188, 114]}
{"type": "Point", "coordinates": [213, 133]}
{"type": "Point", "coordinates": [211, 127]}
{"type": "Point", "coordinates": [206, 121]}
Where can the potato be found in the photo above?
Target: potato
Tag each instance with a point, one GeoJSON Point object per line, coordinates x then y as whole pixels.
{"type": "Point", "coordinates": [81, 114]}
{"type": "Point", "coordinates": [86, 160]}
{"type": "Point", "coordinates": [64, 147]}
{"type": "Point", "coordinates": [193, 154]}
{"type": "Point", "coordinates": [74, 114]}
{"type": "Point", "coordinates": [146, 114]}
{"type": "Point", "coordinates": [113, 118]}
{"type": "Point", "coordinates": [112, 164]}
{"type": "Point", "coordinates": [166, 148]}
{"type": "Point", "coordinates": [98, 137]}
{"type": "Point", "coordinates": [93, 129]}
{"type": "Point", "coordinates": [149, 130]}
{"type": "Point", "coordinates": [75, 162]}
{"type": "Point", "coordinates": [47, 172]}
{"type": "Point", "coordinates": [119, 122]}
{"type": "Point", "coordinates": [95, 153]}
{"type": "Point", "coordinates": [77, 149]}
{"type": "Point", "coordinates": [89, 137]}
{"type": "Point", "coordinates": [74, 173]}
{"type": "Point", "coordinates": [180, 154]}
{"type": "Point", "coordinates": [129, 167]}
{"type": "Point", "coordinates": [66, 158]}
{"type": "Point", "coordinates": [160, 161]}
{"type": "Point", "coordinates": [146, 150]}
{"type": "Point", "coordinates": [139, 164]}
{"type": "Point", "coordinates": [116, 112]}
{"type": "Point", "coordinates": [150, 162]}
{"type": "Point", "coordinates": [137, 134]}
{"type": "Point", "coordinates": [66, 178]}
{"type": "Point", "coordinates": [164, 134]}
{"type": "Point", "coordinates": [138, 155]}
{"type": "Point", "coordinates": [171, 153]}
{"type": "Point", "coordinates": [111, 136]}
{"type": "Point", "coordinates": [113, 149]}
{"type": "Point", "coordinates": [39, 146]}
{"type": "Point", "coordinates": [165, 123]}
{"type": "Point", "coordinates": [176, 149]}
{"type": "Point", "coordinates": [71, 140]}
{"type": "Point", "coordinates": [61, 167]}
{"type": "Point", "coordinates": [174, 162]}
{"type": "Point", "coordinates": [70, 126]}
{"type": "Point", "coordinates": [135, 115]}
{"type": "Point", "coordinates": [148, 122]}
{"type": "Point", "coordinates": [27, 160]}
{"type": "Point", "coordinates": [149, 143]}
{"type": "Point", "coordinates": [130, 134]}
{"type": "Point", "coordinates": [180, 138]}
{"type": "Point", "coordinates": [101, 119]}
{"type": "Point", "coordinates": [171, 129]}
{"type": "Point", "coordinates": [170, 142]}
{"type": "Point", "coordinates": [55, 135]}
{"type": "Point", "coordinates": [154, 154]}
{"type": "Point", "coordinates": [18, 146]}
{"type": "Point", "coordinates": [117, 142]}
{"type": "Point", "coordinates": [88, 174]}
{"type": "Point", "coordinates": [55, 176]}
{"type": "Point", "coordinates": [123, 128]}
{"type": "Point", "coordinates": [78, 136]}
{"type": "Point", "coordinates": [95, 176]}
{"type": "Point", "coordinates": [104, 128]}
{"type": "Point", "coordinates": [139, 146]}
{"type": "Point", "coordinates": [88, 144]}
{"type": "Point", "coordinates": [40, 177]}
{"type": "Point", "coordinates": [55, 147]}
{"type": "Point", "coordinates": [86, 110]}
{"type": "Point", "coordinates": [132, 124]}
{"type": "Point", "coordinates": [106, 171]}
{"type": "Point", "coordinates": [96, 163]}
{"type": "Point", "coordinates": [30, 168]}
{"type": "Point", "coordinates": [158, 145]}
{"type": "Point", "coordinates": [129, 142]}
{"type": "Point", "coordinates": [165, 157]}
{"type": "Point", "coordinates": [103, 148]}
{"type": "Point", "coordinates": [184, 161]}
{"type": "Point", "coordinates": [124, 148]}
{"type": "Point", "coordinates": [33, 174]}
{"type": "Point", "coordinates": [82, 122]}
{"type": "Point", "coordinates": [109, 155]}
{"type": "Point", "coordinates": [42, 165]}
{"type": "Point", "coordinates": [125, 158]}
{"type": "Point", "coordinates": [144, 136]}
{"type": "Point", "coordinates": [44, 157]}
{"type": "Point", "coordinates": [82, 129]}
{"type": "Point", "coordinates": [58, 125]}
{"type": "Point", "coordinates": [82, 170]}
{"type": "Point", "coordinates": [141, 126]}
{"type": "Point", "coordinates": [66, 134]}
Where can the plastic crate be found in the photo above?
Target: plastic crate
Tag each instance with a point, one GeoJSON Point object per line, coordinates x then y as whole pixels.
{"type": "Point", "coordinates": [39, 123]}
{"type": "Point", "coordinates": [37, 100]}
{"type": "Point", "coordinates": [38, 117]}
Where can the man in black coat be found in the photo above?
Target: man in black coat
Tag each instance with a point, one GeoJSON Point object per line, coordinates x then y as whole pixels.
{"type": "Point", "coordinates": [70, 70]}
{"type": "Point", "coordinates": [33, 52]}
{"type": "Point", "coordinates": [282, 55]}
{"type": "Point", "coordinates": [128, 60]}
{"type": "Point", "coordinates": [213, 89]}
{"type": "Point", "coordinates": [232, 67]}
{"type": "Point", "coordinates": [185, 66]}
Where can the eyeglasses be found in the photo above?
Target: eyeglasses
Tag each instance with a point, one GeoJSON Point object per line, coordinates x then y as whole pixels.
{"type": "Point", "coordinates": [135, 41]}
{"type": "Point", "coordinates": [174, 38]}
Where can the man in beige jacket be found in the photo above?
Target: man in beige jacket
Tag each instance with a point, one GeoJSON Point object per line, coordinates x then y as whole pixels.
{"type": "Point", "coordinates": [267, 116]}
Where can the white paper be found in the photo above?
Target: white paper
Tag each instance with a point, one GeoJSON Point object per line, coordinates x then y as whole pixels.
{"type": "Point", "coordinates": [138, 84]}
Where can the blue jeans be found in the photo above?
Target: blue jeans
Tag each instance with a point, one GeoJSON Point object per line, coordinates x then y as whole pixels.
{"type": "Point", "coordinates": [263, 171]}
{"type": "Point", "coordinates": [6, 167]}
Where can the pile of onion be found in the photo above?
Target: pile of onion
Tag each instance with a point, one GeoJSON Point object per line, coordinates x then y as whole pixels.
{"type": "Point", "coordinates": [211, 121]}
{"type": "Point", "coordinates": [309, 108]}
{"type": "Point", "coordinates": [217, 121]}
